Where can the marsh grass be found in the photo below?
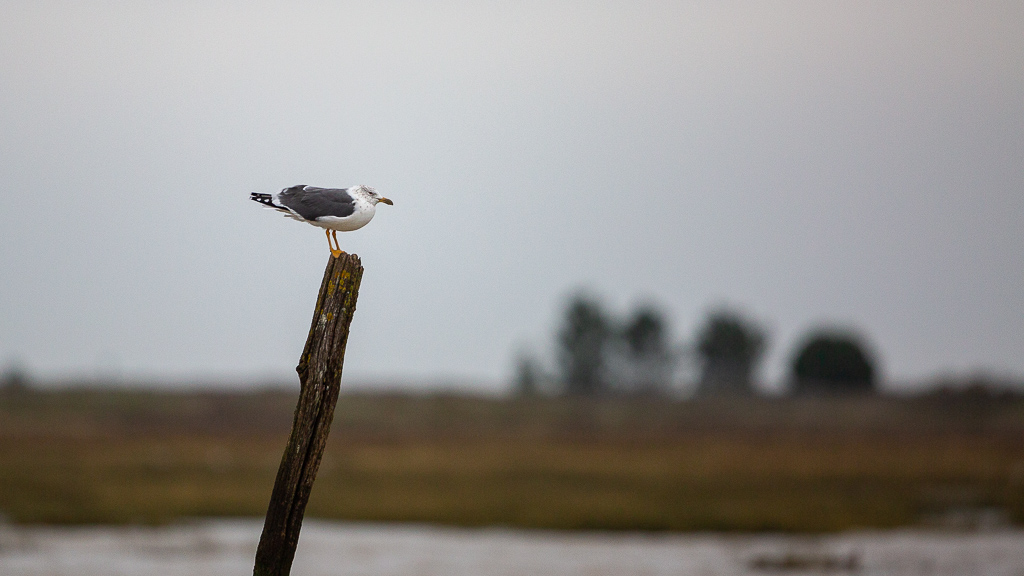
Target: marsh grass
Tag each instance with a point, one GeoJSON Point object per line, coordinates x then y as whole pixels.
{"type": "Point", "coordinates": [818, 464]}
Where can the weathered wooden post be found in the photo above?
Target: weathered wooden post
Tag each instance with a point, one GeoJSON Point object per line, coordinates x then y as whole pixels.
{"type": "Point", "coordinates": [320, 377]}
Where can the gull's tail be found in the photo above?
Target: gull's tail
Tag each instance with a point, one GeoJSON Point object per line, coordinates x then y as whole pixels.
{"type": "Point", "coordinates": [265, 199]}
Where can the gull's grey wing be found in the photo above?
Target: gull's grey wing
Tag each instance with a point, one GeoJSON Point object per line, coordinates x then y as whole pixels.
{"type": "Point", "coordinates": [311, 202]}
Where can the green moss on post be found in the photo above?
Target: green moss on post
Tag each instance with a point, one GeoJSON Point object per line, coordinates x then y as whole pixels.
{"type": "Point", "coordinates": [320, 376]}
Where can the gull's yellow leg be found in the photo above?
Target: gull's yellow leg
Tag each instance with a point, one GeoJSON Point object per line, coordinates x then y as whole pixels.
{"type": "Point", "coordinates": [334, 252]}
{"type": "Point", "coordinates": [340, 251]}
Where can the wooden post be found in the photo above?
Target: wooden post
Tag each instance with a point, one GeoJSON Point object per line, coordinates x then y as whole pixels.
{"type": "Point", "coordinates": [320, 377]}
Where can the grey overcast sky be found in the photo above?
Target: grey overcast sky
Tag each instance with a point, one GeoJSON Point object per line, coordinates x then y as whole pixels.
{"type": "Point", "coordinates": [850, 163]}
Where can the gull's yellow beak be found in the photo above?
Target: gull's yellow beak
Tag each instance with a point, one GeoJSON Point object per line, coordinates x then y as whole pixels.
{"type": "Point", "coordinates": [386, 201]}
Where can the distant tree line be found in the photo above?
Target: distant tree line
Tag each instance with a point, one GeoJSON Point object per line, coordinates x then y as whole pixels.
{"type": "Point", "coordinates": [596, 353]}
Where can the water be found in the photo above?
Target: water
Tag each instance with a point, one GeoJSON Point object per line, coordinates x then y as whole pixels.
{"type": "Point", "coordinates": [334, 549]}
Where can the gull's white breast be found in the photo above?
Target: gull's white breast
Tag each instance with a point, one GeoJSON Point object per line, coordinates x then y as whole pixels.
{"type": "Point", "coordinates": [364, 211]}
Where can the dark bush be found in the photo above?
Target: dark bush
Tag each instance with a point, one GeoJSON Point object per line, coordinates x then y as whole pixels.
{"type": "Point", "coordinates": [833, 363]}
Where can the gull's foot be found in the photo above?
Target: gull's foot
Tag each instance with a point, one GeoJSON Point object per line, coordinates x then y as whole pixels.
{"type": "Point", "coordinates": [336, 253]}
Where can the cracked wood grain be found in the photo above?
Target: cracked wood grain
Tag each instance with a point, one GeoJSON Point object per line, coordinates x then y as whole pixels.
{"type": "Point", "coordinates": [320, 377]}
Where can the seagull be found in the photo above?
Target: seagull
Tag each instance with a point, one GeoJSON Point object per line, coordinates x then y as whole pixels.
{"type": "Point", "coordinates": [333, 209]}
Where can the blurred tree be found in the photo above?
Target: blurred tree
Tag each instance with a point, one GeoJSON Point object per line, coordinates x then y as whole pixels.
{"type": "Point", "coordinates": [648, 355]}
{"type": "Point", "coordinates": [833, 362]}
{"type": "Point", "coordinates": [583, 346]}
{"type": "Point", "coordinates": [14, 378]}
{"type": "Point", "coordinates": [728, 349]}
{"type": "Point", "coordinates": [528, 376]}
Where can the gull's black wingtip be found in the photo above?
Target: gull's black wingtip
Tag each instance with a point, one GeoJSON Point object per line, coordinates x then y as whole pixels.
{"type": "Point", "coordinates": [265, 199]}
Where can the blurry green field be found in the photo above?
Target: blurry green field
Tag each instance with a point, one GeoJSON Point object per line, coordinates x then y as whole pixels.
{"type": "Point", "coordinates": [796, 465]}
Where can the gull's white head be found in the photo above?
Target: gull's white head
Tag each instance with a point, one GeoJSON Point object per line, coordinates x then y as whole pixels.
{"type": "Point", "coordinates": [371, 195]}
